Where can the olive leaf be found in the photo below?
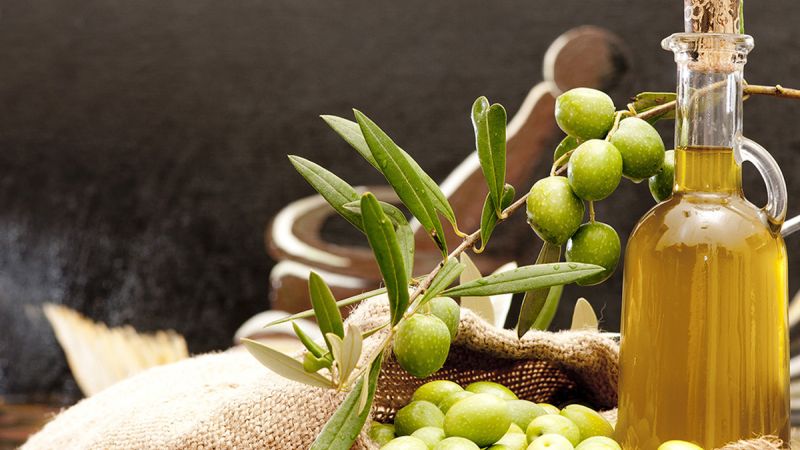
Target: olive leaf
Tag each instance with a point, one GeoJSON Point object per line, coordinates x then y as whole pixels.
{"type": "Point", "coordinates": [332, 188]}
{"type": "Point", "coordinates": [404, 178]}
{"type": "Point", "coordinates": [309, 343]}
{"type": "Point", "coordinates": [534, 300]}
{"type": "Point", "coordinates": [327, 313]}
{"type": "Point", "coordinates": [346, 423]}
{"type": "Point", "coordinates": [351, 132]}
{"type": "Point", "coordinates": [340, 304]}
{"type": "Point", "coordinates": [526, 278]}
{"type": "Point", "coordinates": [284, 365]}
{"type": "Point", "coordinates": [312, 363]}
{"type": "Point", "coordinates": [451, 270]}
{"type": "Point", "coordinates": [369, 333]}
{"type": "Point", "coordinates": [405, 235]}
{"type": "Point", "coordinates": [645, 101]}
{"type": "Point", "coordinates": [548, 312]}
{"type": "Point", "coordinates": [489, 122]}
{"type": "Point", "coordinates": [363, 396]}
{"type": "Point", "coordinates": [584, 317]}
{"type": "Point", "coordinates": [489, 216]}
{"type": "Point", "coordinates": [383, 241]}
{"type": "Point", "coordinates": [346, 351]}
{"type": "Point", "coordinates": [480, 305]}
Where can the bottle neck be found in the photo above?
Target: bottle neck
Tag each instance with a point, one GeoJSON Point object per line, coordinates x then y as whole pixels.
{"type": "Point", "coordinates": [708, 116]}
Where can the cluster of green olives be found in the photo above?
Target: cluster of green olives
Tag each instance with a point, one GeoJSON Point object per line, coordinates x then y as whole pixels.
{"type": "Point", "coordinates": [444, 416]}
{"type": "Point", "coordinates": [602, 146]}
{"type": "Point", "coordinates": [422, 342]}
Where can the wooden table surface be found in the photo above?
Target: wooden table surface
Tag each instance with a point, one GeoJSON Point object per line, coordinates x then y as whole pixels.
{"type": "Point", "coordinates": [18, 421]}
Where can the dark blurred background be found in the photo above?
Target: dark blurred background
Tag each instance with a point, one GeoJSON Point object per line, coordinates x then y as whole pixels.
{"type": "Point", "coordinates": [143, 143]}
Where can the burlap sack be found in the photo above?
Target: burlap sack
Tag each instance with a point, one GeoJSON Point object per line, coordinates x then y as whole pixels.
{"type": "Point", "coordinates": [228, 400]}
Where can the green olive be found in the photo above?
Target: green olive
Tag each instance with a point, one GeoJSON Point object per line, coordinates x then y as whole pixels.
{"type": "Point", "coordinates": [595, 243]}
{"type": "Point", "coordinates": [661, 184]}
{"type": "Point", "coordinates": [381, 433]}
{"type": "Point", "coordinates": [436, 391]}
{"type": "Point", "coordinates": [416, 415]}
{"type": "Point", "coordinates": [421, 344]}
{"type": "Point", "coordinates": [551, 423]}
{"type": "Point", "coordinates": [554, 211]}
{"type": "Point", "coordinates": [641, 148]}
{"type": "Point", "coordinates": [489, 387]}
{"type": "Point", "coordinates": [585, 113]}
{"type": "Point", "coordinates": [594, 170]}
{"type": "Point", "coordinates": [481, 418]}
{"type": "Point", "coordinates": [448, 310]}
{"type": "Point", "coordinates": [567, 144]}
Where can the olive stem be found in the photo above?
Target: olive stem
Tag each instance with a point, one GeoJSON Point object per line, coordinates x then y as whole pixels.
{"type": "Point", "coordinates": [617, 119]}
{"type": "Point", "coordinates": [749, 89]}
{"type": "Point", "coordinates": [560, 162]}
{"type": "Point", "coordinates": [591, 211]}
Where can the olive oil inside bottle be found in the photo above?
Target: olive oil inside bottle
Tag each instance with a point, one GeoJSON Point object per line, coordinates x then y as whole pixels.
{"type": "Point", "coordinates": [705, 348]}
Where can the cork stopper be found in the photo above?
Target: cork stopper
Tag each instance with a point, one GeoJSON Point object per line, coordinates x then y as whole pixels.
{"type": "Point", "coordinates": [713, 16]}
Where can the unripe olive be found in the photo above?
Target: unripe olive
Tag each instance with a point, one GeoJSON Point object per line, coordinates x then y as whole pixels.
{"type": "Point", "coordinates": [641, 148]}
{"type": "Point", "coordinates": [381, 433]}
{"type": "Point", "coordinates": [594, 170]}
{"type": "Point", "coordinates": [436, 391]}
{"type": "Point", "coordinates": [554, 211]}
{"type": "Point", "coordinates": [588, 421]}
{"type": "Point", "coordinates": [551, 423]}
{"type": "Point", "coordinates": [446, 309]}
{"type": "Point", "coordinates": [489, 387]}
{"type": "Point", "coordinates": [430, 435]}
{"type": "Point", "coordinates": [416, 415]}
{"type": "Point", "coordinates": [456, 443]}
{"type": "Point", "coordinates": [595, 243]}
{"type": "Point", "coordinates": [567, 144]}
{"type": "Point", "coordinates": [421, 344]}
{"type": "Point", "coordinates": [453, 398]}
{"type": "Point", "coordinates": [405, 443]}
{"type": "Point", "coordinates": [481, 418]}
{"type": "Point", "coordinates": [523, 412]}
{"type": "Point", "coordinates": [661, 184]}
{"type": "Point", "coordinates": [585, 113]}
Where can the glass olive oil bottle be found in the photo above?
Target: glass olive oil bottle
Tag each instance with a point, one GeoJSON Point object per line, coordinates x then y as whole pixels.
{"type": "Point", "coordinates": [704, 351]}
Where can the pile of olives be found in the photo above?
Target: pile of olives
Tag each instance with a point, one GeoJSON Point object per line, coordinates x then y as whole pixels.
{"type": "Point", "coordinates": [444, 416]}
{"type": "Point", "coordinates": [485, 415]}
{"type": "Point", "coordinates": [601, 147]}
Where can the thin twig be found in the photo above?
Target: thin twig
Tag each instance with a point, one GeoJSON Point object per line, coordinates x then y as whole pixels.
{"type": "Point", "coordinates": [749, 89]}
{"type": "Point", "coordinates": [561, 160]}
{"type": "Point", "coordinates": [775, 91]}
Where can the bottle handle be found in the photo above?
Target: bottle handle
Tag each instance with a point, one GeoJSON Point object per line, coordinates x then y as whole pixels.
{"type": "Point", "coordinates": [775, 209]}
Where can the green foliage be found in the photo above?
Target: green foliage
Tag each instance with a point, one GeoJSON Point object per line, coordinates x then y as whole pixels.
{"type": "Point", "coordinates": [489, 122]}
{"type": "Point", "coordinates": [404, 178]}
{"type": "Point", "coordinates": [383, 240]}
{"type": "Point", "coordinates": [489, 215]}
{"type": "Point", "coordinates": [524, 279]}
{"type": "Point", "coordinates": [535, 299]}
{"type": "Point", "coordinates": [327, 313]}
{"type": "Point", "coordinates": [346, 423]}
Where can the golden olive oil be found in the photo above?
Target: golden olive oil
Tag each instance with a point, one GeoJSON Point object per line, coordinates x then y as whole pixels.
{"type": "Point", "coordinates": [705, 347]}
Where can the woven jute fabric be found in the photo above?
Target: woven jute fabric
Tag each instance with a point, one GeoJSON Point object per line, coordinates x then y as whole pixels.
{"type": "Point", "coordinates": [229, 401]}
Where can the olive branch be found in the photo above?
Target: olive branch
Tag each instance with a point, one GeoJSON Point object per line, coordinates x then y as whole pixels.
{"type": "Point", "coordinates": [339, 362]}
